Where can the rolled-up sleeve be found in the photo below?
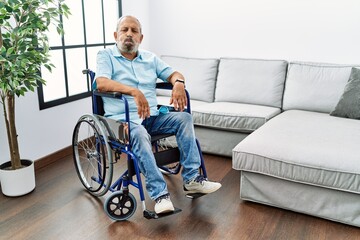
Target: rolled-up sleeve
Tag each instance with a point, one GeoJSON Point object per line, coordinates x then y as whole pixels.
{"type": "Point", "coordinates": [104, 66]}
{"type": "Point", "coordinates": [163, 70]}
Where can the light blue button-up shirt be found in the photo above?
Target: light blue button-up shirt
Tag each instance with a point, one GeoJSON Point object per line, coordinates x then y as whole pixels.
{"type": "Point", "coordinates": [141, 72]}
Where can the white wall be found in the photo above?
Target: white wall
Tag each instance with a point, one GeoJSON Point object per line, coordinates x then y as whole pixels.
{"type": "Point", "coordinates": [307, 30]}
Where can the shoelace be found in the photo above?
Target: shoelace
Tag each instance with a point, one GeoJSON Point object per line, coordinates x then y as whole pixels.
{"type": "Point", "coordinates": [200, 179]}
{"type": "Point", "coordinates": [158, 200]}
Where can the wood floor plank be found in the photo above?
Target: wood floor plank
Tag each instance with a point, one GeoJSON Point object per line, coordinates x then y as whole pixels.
{"type": "Point", "coordinates": [60, 208]}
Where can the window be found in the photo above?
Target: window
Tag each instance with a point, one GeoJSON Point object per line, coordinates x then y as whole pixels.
{"type": "Point", "coordinates": [88, 29]}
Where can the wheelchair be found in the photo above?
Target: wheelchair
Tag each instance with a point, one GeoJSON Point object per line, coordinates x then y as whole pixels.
{"type": "Point", "coordinates": [98, 142]}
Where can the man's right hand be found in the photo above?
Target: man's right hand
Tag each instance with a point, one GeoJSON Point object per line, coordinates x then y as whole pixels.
{"type": "Point", "coordinates": [141, 103]}
{"type": "Point", "coordinates": [108, 85]}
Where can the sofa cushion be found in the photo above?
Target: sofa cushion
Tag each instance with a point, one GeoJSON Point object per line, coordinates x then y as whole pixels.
{"type": "Point", "coordinates": [349, 103]}
{"type": "Point", "coordinates": [314, 86]}
{"type": "Point", "coordinates": [306, 147]}
{"type": "Point", "coordinates": [200, 75]}
{"type": "Point", "coordinates": [251, 81]}
{"type": "Point", "coordinates": [235, 117]}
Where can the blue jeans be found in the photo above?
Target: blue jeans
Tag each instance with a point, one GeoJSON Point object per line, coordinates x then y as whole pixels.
{"type": "Point", "coordinates": [178, 123]}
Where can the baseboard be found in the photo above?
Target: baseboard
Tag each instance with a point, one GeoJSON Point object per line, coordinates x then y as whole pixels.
{"type": "Point", "coordinates": [51, 158]}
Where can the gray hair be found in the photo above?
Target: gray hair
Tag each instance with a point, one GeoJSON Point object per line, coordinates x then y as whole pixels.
{"type": "Point", "coordinates": [127, 16]}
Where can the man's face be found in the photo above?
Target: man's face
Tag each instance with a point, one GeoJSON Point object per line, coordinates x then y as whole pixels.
{"type": "Point", "coordinates": [128, 37]}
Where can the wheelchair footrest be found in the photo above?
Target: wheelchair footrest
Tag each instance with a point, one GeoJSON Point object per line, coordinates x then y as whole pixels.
{"type": "Point", "coordinates": [152, 215]}
{"type": "Point", "coordinates": [194, 195]}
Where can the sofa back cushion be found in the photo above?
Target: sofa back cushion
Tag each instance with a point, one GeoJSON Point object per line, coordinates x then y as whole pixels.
{"type": "Point", "coordinates": [200, 76]}
{"type": "Point", "coordinates": [314, 86]}
{"type": "Point", "coordinates": [251, 81]}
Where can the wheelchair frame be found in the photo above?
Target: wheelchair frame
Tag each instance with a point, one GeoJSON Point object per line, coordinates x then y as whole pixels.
{"type": "Point", "coordinates": [95, 153]}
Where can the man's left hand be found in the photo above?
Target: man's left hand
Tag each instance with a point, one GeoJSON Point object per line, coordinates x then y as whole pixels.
{"type": "Point", "coordinates": [178, 97]}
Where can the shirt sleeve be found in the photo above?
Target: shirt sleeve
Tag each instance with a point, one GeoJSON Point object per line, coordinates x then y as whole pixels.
{"type": "Point", "coordinates": [103, 64]}
{"type": "Point", "coordinates": [163, 70]}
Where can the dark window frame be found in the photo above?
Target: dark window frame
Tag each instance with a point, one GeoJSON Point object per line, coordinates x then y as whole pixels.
{"type": "Point", "coordinates": [63, 47]}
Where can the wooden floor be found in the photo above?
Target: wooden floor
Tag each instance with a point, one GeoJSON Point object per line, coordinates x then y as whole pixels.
{"type": "Point", "coordinates": [59, 208]}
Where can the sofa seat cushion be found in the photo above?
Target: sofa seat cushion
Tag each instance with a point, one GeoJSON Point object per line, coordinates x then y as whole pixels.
{"type": "Point", "coordinates": [306, 147]}
{"type": "Point", "coordinates": [229, 116]}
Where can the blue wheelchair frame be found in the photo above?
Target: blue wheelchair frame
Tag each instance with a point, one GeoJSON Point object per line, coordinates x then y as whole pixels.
{"type": "Point", "coordinates": [120, 188]}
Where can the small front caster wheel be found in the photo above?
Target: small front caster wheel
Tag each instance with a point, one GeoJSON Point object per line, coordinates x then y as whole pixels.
{"type": "Point", "coordinates": [120, 206]}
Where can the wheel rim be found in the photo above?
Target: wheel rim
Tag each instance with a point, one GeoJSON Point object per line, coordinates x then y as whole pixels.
{"type": "Point", "coordinates": [120, 206]}
{"type": "Point", "coordinates": [92, 155]}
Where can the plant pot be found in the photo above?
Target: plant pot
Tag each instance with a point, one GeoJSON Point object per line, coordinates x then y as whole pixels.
{"type": "Point", "coordinates": [17, 182]}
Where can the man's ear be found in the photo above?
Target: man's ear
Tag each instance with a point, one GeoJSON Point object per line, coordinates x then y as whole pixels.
{"type": "Point", "coordinates": [115, 36]}
{"type": "Point", "coordinates": [141, 38]}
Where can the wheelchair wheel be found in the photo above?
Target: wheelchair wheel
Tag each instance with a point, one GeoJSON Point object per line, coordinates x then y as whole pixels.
{"type": "Point", "coordinates": [120, 206]}
{"type": "Point", "coordinates": [92, 155]}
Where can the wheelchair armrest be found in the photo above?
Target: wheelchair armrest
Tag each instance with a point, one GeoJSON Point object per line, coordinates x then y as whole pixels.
{"type": "Point", "coordinates": [97, 96]}
{"type": "Point", "coordinates": [108, 94]}
{"type": "Point", "coordinates": [164, 85]}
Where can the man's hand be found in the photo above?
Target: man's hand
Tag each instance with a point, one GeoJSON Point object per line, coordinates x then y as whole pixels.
{"type": "Point", "coordinates": [108, 85]}
{"type": "Point", "coordinates": [178, 97]}
{"type": "Point", "coordinates": [142, 104]}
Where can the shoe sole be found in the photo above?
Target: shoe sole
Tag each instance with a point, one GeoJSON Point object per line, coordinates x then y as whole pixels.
{"type": "Point", "coordinates": [166, 211]}
{"type": "Point", "coordinates": [202, 192]}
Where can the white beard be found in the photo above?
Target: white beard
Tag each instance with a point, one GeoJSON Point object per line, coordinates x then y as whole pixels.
{"type": "Point", "coordinates": [127, 49]}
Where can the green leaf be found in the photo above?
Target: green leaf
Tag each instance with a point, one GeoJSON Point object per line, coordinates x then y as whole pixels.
{"type": "Point", "coordinates": [8, 8]}
{"type": "Point", "coordinates": [9, 51]}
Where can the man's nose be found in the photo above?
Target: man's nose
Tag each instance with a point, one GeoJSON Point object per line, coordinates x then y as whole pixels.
{"type": "Point", "coordinates": [129, 33]}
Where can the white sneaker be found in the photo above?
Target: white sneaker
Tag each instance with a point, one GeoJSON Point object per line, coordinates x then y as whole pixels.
{"type": "Point", "coordinates": [163, 204]}
{"type": "Point", "coordinates": [201, 185]}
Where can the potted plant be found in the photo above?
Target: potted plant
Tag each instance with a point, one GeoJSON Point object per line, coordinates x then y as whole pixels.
{"type": "Point", "coordinates": [24, 48]}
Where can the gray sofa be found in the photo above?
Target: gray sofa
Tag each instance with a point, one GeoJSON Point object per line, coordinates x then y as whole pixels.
{"type": "Point", "coordinates": [273, 117]}
{"type": "Point", "coordinates": [230, 98]}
